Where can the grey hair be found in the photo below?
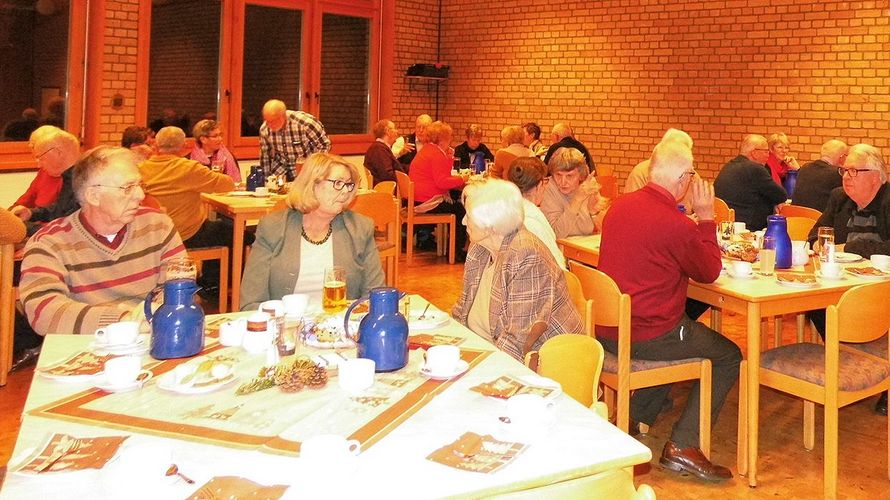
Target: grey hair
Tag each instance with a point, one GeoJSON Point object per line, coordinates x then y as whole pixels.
{"type": "Point", "coordinates": [669, 161]}
{"type": "Point", "coordinates": [832, 151]}
{"type": "Point", "coordinates": [873, 158]}
{"type": "Point", "coordinates": [512, 135]}
{"type": "Point", "coordinates": [752, 142]}
{"type": "Point", "coordinates": [562, 130]}
{"type": "Point", "coordinates": [495, 205]}
{"type": "Point", "coordinates": [566, 160]}
{"type": "Point", "coordinates": [170, 140]}
{"type": "Point", "coordinates": [675, 134]}
{"type": "Point", "coordinates": [92, 163]}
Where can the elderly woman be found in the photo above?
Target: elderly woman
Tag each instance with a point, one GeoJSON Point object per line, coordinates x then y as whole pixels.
{"type": "Point", "coordinates": [433, 182]}
{"type": "Point", "coordinates": [571, 198]}
{"type": "Point", "coordinates": [210, 152]}
{"type": "Point", "coordinates": [514, 293]}
{"type": "Point", "coordinates": [511, 137]}
{"type": "Point", "coordinates": [467, 151]}
{"type": "Point", "coordinates": [530, 175]}
{"type": "Point", "coordinates": [293, 247]}
{"type": "Point", "coordinates": [779, 161]}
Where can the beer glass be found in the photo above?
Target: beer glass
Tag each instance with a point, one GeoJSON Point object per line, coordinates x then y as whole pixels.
{"type": "Point", "coordinates": [333, 298]}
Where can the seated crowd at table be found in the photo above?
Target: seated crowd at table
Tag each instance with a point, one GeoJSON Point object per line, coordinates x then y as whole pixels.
{"type": "Point", "coordinates": [102, 223]}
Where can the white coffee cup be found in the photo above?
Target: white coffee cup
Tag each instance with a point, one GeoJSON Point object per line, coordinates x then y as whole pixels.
{"type": "Point", "coordinates": [528, 410]}
{"type": "Point", "coordinates": [262, 191]}
{"type": "Point", "coordinates": [442, 358]}
{"type": "Point", "coordinates": [356, 374]}
{"type": "Point", "coordinates": [231, 333]}
{"type": "Point", "coordinates": [273, 308]}
{"type": "Point", "coordinates": [120, 333]}
{"type": "Point", "coordinates": [258, 337]}
{"type": "Point", "coordinates": [881, 262]}
{"type": "Point", "coordinates": [738, 227]}
{"type": "Point", "coordinates": [740, 269]}
{"type": "Point", "coordinates": [831, 269]}
{"type": "Point", "coordinates": [123, 370]}
{"type": "Point", "coordinates": [329, 449]}
{"type": "Point", "coordinates": [295, 304]}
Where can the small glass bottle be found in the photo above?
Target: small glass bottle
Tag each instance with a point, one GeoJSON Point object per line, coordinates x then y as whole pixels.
{"type": "Point", "coordinates": [288, 327]}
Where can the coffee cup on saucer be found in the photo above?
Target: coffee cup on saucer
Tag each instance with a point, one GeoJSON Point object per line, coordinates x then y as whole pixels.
{"type": "Point", "coordinates": [117, 334]}
{"type": "Point", "coordinates": [295, 304]}
{"type": "Point", "coordinates": [123, 371]}
{"type": "Point", "coordinates": [231, 333]}
{"type": "Point", "coordinates": [258, 337]}
{"type": "Point", "coordinates": [442, 359]}
{"type": "Point", "coordinates": [740, 269]}
{"type": "Point", "coordinates": [882, 262]}
{"type": "Point", "coordinates": [830, 269]}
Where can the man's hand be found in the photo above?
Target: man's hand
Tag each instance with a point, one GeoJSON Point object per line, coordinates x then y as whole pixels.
{"type": "Point", "coordinates": [703, 199]}
{"type": "Point", "coordinates": [407, 148]}
{"type": "Point", "coordinates": [21, 212]}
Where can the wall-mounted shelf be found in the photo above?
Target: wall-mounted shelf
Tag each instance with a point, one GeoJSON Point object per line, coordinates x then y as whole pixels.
{"type": "Point", "coordinates": [429, 80]}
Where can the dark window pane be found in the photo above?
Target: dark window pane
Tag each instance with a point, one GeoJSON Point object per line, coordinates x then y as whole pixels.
{"type": "Point", "coordinates": [345, 79]}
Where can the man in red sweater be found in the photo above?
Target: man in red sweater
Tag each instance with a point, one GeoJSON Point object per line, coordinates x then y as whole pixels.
{"type": "Point", "coordinates": [651, 250]}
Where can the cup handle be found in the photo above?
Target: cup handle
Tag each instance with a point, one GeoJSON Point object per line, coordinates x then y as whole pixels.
{"type": "Point", "coordinates": [101, 335]}
{"type": "Point", "coordinates": [353, 447]}
{"type": "Point", "coordinates": [145, 375]}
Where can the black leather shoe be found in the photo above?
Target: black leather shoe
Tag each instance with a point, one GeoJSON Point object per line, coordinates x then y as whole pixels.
{"type": "Point", "coordinates": [25, 358]}
{"type": "Point", "coordinates": [693, 461]}
{"type": "Point", "coordinates": [881, 405]}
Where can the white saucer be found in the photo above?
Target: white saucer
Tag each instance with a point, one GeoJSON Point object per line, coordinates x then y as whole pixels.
{"type": "Point", "coordinates": [744, 277]}
{"type": "Point", "coordinates": [167, 382]}
{"type": "Point", "coordinates": [240, 193]}
{"type": "Point", "coordinates": [846, 257]}
{"type": "Point", "coordinates": [459, 368]}
{"type": "Point", "coordinates": [834, 278]}
{"type": "Point", "coordinates": [260, 195]}
{"type": "Point", "coordinates": [140, 346]}
{"type": "Point", "coordinates": [102, 383]}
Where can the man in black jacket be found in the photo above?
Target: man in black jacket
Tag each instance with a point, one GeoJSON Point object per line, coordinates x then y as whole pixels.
{"type": "Point", "coordinates": [562, 136]}
{"type": "Point", "coordinates": [746, 186]}
{"type": "Point", "coordinates": [815, 180]}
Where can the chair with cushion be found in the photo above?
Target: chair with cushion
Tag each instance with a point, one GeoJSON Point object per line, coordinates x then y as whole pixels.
{"type": "Point", "coordinates": [575, 361]}
{"type": "Point", "coordinates": [383, 209]}
{"type": "Point", "coordinates": [621, 374]}
{"type": "Point", "coordinates": [833, 374]}
{"type": "Point", "coordinates": [405, 188]}
{"type": "Point", "coordinates": [789, 210]}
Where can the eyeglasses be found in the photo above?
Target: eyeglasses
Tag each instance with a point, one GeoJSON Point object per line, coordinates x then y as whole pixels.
{"type": "Point", "coordinates": [128, 189]}
{"type": "Point", "coordinates": [852, 171]}
{"type": "Point", "coordinates": [41, 155]}
{"type": "Point", "coordinates": [691, 174]}
{"type": "Point", "coordinates": [339, 185]}
{"type": "Point", "coordinates": [761, 149]}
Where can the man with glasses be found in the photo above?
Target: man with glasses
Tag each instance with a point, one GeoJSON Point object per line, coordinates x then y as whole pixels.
{"type": "Point", "coordinates": [651, 250]}
{"type": "Point", "coordinates": [95, 266]}
{"type": "Point", "coordinates": [746, 186]}
{"type": "Point", "coordinates": [817, 179]}
{"type": "Point", "coordinates": [859, 212]}
{"type": "Point", "coordinates": [50, 196]}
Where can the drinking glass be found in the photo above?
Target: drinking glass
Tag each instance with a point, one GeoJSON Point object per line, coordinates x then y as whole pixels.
{"type": "Point", "coordinates": [768, 256]}
{"type": "Point", "coordinates": [180, 268]}
{"type": "Point", "coordinates": [825, 235]}
{"type": "Point", "coordinates": [334, 297]}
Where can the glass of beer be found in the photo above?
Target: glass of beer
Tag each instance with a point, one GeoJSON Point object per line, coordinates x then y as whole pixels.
{"type": "Point", "coordinates": [334, 296]}
{"type": "Point", "coordinates": [825, 235]}
{"type": "Point", "coordinates": [768, 256]}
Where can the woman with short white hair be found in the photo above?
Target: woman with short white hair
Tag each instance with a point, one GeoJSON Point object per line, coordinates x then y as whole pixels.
{"type": "Point", "coordinates": [514, 293]}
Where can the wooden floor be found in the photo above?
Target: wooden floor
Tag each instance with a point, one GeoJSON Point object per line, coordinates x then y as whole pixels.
{"type": "Point", "coordinates": [787, 470]}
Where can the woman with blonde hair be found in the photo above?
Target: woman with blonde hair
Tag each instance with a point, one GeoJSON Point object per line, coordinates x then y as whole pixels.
{"type": "Point", "coordinates": [294, 246]}
{"type": "Point", "coordinates": [779, 161]}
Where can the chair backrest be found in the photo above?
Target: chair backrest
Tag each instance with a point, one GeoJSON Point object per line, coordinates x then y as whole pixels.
{"type": "Point", "coordinates": [380, 207]}
{"type": "Point", "coordinates": [608, 185]}
{"type": "Point", "coordinates": [861, 315]}
{"type": "Point", "coordinates": [610, 306]}
{"type": "Point", "coordinates": [789, 210]}
{"type": "Point", "coordinates": [582, 304]}
{"type": "Point", "coordinates": [575, 361]}
{"type": "Point", "coordinates": [405, 192]}
{"type": "Point", "coordinates": [7, 308]}
{"type": "Point", "coordinates": [388, 187]}
{"type": "Point", "coordinates": [799, 227]}
{"type": "Point", "coordinates": [366, 180]}
{"type": "Point", "coordinates": [722, 212]}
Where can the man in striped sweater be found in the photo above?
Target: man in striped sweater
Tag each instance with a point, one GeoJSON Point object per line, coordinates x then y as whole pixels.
{"type": "Point", "coordinates": [95, 266]}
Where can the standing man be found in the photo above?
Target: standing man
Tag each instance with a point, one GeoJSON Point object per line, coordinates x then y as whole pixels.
{"type": "Point", "coordinates": [288, 137]}
{"type": "Point", "coordinates": [817, 179]}
{"type": "Point", "coordinates": [562, 136]}
{"type": "Point", "coordinates": [406, 149]}
{"type": "Point", "coordinates": [379, 159]}
{"type": "Point", "coordinates": [745, 184]}
{"type": "Point", "coordinates": [651, 250]}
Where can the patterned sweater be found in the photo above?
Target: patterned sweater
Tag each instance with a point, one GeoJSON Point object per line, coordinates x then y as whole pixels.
{"type": "Point", "coordinates": [72, 282]}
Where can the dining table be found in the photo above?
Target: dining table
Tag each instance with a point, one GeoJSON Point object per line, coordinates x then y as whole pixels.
{"type": "Point", "coordinates": [403, 423]}
{"type": "Point", "coordinates": [758, 297]}
{"type": "Point", "coordinates": [242, 207]}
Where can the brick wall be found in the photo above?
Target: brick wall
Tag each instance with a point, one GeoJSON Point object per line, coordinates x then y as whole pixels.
{"type": "Point", "coordinates": [623, 72]}
{"type": "Point", "coordinates": [119, 68]}
{"type": "Point", "coordinates": [345, 46]}
{"type": "Point", "coordinates": [415, 42]}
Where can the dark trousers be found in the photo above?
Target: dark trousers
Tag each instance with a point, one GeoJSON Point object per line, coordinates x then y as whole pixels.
{"type": "Point", "coordinates": [460, 231]}
{"type": "Point", "coordinates": [214, 233]}
{"type": "Point", "coordinates": [698, 341]}
{"type": "Point", "coordinates": [818, 319]}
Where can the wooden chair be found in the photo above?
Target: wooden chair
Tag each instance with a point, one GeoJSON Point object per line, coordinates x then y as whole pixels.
{"type": "Point", "coordinates": [405, 187]}
{"type": "Point", "coordinates": [576, 362]}
{"type": "Point", "coordinates": [7, 309]}
{"type": "Point", "coordinates": [799, 227]}
{"type": "Point", "coordinates": [789, 210]}
{"type": "Point", "coordinates": [366, 180]}
{"type": "Point", "coordinates": [722, 212]}
{"type": "Point", "coordinates": [383, 209]}
{"type": "Point", "coordinates": [388, 187]}
{"type": "Point", "coordinates": [582, 304]}
{"type": "Point", "coordinates": [621, 374]}
{"type": "Point", "coordinates": [605, 176]}
{"type": "Point", "coordinates": [831, 375]}
{"type": "Point", "coordinates": [220, 253]}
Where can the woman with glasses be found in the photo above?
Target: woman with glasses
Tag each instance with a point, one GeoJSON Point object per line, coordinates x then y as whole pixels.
{"type": "Point", "coordinates": [210, 151]}
{"type": "Point", "coordinates": [294, 246]}
{"type": "Point", "coordinates": [779, 161]}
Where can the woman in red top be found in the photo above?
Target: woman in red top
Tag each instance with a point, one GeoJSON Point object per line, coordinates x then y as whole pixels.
{"type": "Point", "coordinates": [780, 162]}
{"type": "Point", "coordinates": [435, 189]}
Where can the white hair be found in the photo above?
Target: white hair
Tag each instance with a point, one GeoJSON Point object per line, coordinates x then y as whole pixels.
{"type": "Point", "coordinates": [872, 156]}
{"type": "Point", "coordinates": [669, 161]}
{"type": "Point", "coordinates": [494, 204]}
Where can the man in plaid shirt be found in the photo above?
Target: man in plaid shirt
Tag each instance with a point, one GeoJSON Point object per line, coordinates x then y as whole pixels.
{"type": "Point", "coordinates": [288, 138]}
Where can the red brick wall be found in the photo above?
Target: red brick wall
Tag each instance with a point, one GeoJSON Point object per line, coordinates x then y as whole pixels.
{"type": "Point", "coordinates": [623, 72]}
{"type": "Point", "coordinates": [415, 42]}
{"type": "Point", "coordinates": [119, 68]}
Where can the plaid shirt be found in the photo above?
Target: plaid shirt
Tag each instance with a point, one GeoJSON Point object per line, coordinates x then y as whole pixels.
{"type": "Point", "coordinates": [528, 288]}
{"type": "Point", "coordinates": [301, 135]}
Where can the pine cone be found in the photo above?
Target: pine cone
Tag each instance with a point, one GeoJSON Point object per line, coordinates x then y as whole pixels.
{"type": "Point", "coordinates": [282, 373]}
{"type": "Point", "coordinates": [291, 382]}
{"type": "Point", "coordinates": [318, 378]}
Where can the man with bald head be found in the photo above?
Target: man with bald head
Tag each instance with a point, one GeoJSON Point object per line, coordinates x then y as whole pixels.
{"type": "Point", "coordinates": [817, 179]}
{"type": "Point", "coordinates": [406, 149]}
{"type": "Point", "coordinates": [746, 186]}
{"type": "Point", "coordinates": [288, 137]}
{"type": "Point", "coordinates": [652, 250]}
{"type": "Point", "coordinates": [562, 136]}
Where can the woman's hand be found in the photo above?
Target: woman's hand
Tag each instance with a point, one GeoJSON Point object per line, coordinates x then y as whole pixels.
{"type": "Point", "coordinates": [792, 162]}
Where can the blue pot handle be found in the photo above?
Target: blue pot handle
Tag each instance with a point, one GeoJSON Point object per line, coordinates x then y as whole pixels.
{"type": "Point", "coordinates": [148, 300]}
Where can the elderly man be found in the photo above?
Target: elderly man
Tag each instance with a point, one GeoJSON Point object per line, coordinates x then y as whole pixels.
{"type": "Point", "coordinates": [139, 140]}
{"type": "Point", "coordinates": [379, 158]}
{"type": "Point", "coordinates": [55, 151]}
{"type": "Point", "coordinates": [571, 199]}
{"type": "Point", "coordinates": [859, 212]}
{"type": "Point", "coordinates": [817, 179]}
{"type": "Point", "coordinates": [745, 184]}
{"type": "Point", "coordinates": [532, 139]}
{"type": "Point", "coordinates": [639, 175]}
{"type": "Point", "coordinates": [651, 250]}
{"type": "Point", "coordinates": [95, 266]}
{"type": "Point", "coordinates": [288, 137]}
{"type": "Point", "coordinates": [512, 139]}
{"type": "Point", "coordinates": [562, 136]}
{"type": "Point", "coordinates": [407, 148]}
{"type": "Point", "coordinates": [177, 183]}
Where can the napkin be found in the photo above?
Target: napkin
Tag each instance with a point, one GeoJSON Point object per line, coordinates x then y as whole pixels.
{"type": "Point", "coordinates": [425, 340]}
{"type": "Point", "coordinates": [505, 387]}
{"type": "Point", "coordinates": [236, 487]}
{"type": "Point", "coordinates": [475, 453]}
{"type": "Point", "coordinates": [81, 363]}
{"type": "Point", "coordinates": [65, 453]}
